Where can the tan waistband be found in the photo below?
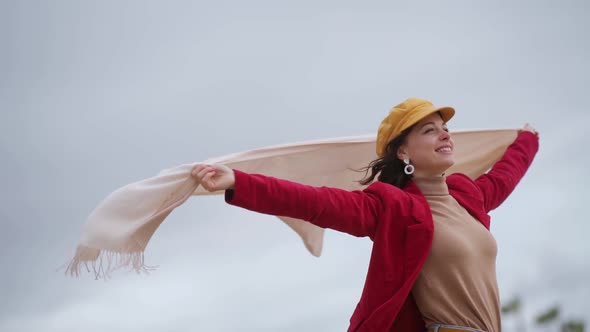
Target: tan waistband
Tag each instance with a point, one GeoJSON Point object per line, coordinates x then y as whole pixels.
{"type": "Point", "coordinates": [453, 329]}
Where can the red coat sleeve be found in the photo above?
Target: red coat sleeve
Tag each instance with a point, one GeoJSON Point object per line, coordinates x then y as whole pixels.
{"type": "Point", "coordinates": [501, 180]}
{"type": "Point", "coordinates": [355, 212]}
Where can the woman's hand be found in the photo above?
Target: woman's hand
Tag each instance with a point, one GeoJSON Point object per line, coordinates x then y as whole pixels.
{"type": "Point", "coordinates": [214, 177]}
{"type": "Point", "coordinates": [528, 127]}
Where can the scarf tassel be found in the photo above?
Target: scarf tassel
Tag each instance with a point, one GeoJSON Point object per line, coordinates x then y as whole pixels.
{"type": "Point", "coordinates": [104, 262]}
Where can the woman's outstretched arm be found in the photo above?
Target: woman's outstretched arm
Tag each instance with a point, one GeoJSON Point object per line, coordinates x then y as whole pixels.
{"type": "Point", "coordinates": [501, 180]}
{"type": "Point", "coordinates": [355, 212]}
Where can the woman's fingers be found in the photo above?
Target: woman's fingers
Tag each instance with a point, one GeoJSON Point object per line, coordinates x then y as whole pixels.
{"type": "Point", "coordinates": [528, 127]}
{"type": "Point", "coordinates": [212, 177]}
{"type": "Point", "coordinates": [196, 169]}
{"type": "Point", "coordinates": [200, 170]}
{"type": "Point", "coordinates": [204, 176]}
{"type": "Point", "coordinates": [531, 128]}
{"type": "Point", "coordinates": [205, 181]}
{"type": "Point", "coordinates": [202, 173]}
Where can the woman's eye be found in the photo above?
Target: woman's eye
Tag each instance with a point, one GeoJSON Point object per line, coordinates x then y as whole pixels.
{"type": "Point", "coordinates": [428, 130]}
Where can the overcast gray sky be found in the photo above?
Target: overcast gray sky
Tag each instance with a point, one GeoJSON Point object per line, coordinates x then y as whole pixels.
{"type": "Point", "coordinates": [96, 95]}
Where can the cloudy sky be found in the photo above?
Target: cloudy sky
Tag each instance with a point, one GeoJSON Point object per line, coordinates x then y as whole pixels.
{"type": "Point", "coordinates": [96, 95]}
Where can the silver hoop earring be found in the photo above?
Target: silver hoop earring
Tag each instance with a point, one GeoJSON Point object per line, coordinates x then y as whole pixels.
{"type": "Point", "coordinates": [409, 169]}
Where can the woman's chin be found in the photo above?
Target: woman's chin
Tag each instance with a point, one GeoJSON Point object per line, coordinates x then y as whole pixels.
{"type": "Point", "coordinates": [447, 164]}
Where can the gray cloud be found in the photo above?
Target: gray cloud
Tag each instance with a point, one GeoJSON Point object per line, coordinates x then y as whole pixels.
{"type": "Point", "coordinates": [97, 95]}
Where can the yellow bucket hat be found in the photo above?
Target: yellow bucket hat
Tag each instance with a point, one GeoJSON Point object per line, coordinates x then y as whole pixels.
{"type": "Point", "coordinates": [403, 116]}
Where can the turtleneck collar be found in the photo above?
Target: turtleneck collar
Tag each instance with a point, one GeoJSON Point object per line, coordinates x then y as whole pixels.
{"type": "Point", "coordinates": [432, 186]}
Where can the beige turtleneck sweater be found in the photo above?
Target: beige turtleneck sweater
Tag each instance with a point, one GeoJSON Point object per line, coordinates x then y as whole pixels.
{"type": "Point", "coordinates": [457, 285]}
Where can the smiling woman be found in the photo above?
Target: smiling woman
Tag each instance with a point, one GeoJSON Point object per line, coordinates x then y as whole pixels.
{"type": "Point", "coordinates": [433, 261]}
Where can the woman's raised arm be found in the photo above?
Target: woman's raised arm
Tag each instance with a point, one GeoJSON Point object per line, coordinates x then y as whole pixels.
{"type": "Point", "coordinates": [501, 180]}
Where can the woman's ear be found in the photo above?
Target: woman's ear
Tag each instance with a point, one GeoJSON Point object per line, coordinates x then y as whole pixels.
{"type": "Point", "coordinates": [402, 153]}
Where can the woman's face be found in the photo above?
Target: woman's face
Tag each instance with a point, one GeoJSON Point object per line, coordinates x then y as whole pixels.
{"type": "Point", "coordinates": [429, 147]}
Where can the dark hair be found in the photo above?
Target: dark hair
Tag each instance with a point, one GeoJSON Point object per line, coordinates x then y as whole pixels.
{"type": "Point", "coordinates": [389, 168]}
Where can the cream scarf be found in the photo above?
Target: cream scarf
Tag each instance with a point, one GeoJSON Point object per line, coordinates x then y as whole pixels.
{"type": "Point", "coordinates": [120, 227]}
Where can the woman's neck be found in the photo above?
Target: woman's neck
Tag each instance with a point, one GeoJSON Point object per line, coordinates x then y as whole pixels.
{"type": "Point", "coordinates": [434, 185]}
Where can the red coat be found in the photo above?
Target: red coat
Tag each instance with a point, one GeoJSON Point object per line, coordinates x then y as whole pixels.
{"type": "Point", "coordinates": [398, 221]}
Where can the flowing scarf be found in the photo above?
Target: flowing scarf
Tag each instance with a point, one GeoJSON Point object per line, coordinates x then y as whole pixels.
{"type": "Point", "coordinates": [119, 228]}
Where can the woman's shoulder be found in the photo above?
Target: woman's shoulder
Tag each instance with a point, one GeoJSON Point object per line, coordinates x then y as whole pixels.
{"type": "Point", "coordinates": [395, 200]}
{"type": "Point", "coordinates": [387, 191]}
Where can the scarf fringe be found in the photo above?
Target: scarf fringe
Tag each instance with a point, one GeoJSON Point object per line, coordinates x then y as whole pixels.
{"type": "Point", "coordinates": [103, 262]}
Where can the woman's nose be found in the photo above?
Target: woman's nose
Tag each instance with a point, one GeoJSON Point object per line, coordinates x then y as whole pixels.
{"type": "Point", "coordinates": [445, 136]}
